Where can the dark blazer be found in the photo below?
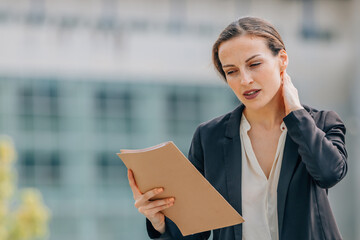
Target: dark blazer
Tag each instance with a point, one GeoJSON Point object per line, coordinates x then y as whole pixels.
{"type": "Point", "coordinates": [314, 160]}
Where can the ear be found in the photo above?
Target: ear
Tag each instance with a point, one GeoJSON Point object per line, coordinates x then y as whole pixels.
{"type": "Point", "coordinates": [284, 60]}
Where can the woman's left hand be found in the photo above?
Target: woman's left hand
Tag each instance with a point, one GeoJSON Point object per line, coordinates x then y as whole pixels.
{"type": "Point", "coordinates": [290, 94]}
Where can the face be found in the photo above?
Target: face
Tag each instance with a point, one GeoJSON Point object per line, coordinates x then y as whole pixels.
{"type": "Point", "coordinates": [251, 70]}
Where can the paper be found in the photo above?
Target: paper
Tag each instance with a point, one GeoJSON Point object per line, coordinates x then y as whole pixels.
{"type": "Point", "coordinates": [198, 205]}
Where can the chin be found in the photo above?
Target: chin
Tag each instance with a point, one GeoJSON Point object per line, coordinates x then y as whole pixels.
{"type": "Point", "coordinates": [255, 105]}
{"type": "Point", "coordinates": [262, 102]}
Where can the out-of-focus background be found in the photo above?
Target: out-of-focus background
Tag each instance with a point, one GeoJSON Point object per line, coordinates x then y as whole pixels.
{"type": "Point", "coordinates": [81, 79]}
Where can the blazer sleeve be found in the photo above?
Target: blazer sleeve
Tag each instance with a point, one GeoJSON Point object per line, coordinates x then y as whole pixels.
{"type": "Point", "coordinates": [322, 150]}
{"type": "Point", "coordinates": [172, 232]}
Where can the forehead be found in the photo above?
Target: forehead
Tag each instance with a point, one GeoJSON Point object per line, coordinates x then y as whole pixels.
{"type": "Point", "coordinates": [242, 47]}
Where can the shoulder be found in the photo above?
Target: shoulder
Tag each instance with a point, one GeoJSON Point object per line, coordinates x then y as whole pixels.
{"type": "Point", "coordinates": [219, 124]}
{"type": "Point", "coordinates": [216, 122]}
{"type": "Point", "coordinates": [226, 125]}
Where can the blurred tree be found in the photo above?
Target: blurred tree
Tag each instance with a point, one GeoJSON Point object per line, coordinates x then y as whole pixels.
{"type": "Point", "coordinates": [28, 220]}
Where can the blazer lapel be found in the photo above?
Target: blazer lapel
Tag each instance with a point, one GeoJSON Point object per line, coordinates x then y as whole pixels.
{"type": "Point", "coordinates": [287, 168]}
{"type": "Point", "coordinates": [232, 157]}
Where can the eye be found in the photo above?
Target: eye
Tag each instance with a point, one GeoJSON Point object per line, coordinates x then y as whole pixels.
{"type": "Point", "coordinates": [230, 72]}
{"type": "Point", "coordinates": [255, 64]}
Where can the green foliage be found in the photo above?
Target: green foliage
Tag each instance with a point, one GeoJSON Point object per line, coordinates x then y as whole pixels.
{"type": "Point", "coordinates": [29, 220]}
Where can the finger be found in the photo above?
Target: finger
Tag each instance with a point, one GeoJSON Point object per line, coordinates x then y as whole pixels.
{"type": "Point", "coordinates": [157, 203]}
{"type": "Point", "coordinates": [153, 211]}
{"type": "Point", "coordinates": [132, 183]}
{"type": "Point", "coordinates": [146, 196]}
{"type": "Point", "coordinates": [288, 77]}
{"type": "Point", "coordinates": [152, 193]}
{"type": "Point", "coordinates": [287, 80]}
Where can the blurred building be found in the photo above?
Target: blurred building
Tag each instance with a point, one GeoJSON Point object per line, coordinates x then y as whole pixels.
{"type": "Point", "coordinates": [81, 79]}
{"type": "Point", "coordinates": [67, 134]}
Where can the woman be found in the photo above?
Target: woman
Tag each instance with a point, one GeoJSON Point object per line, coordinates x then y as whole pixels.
{"type": "Point", "coordinates": [272, 158]}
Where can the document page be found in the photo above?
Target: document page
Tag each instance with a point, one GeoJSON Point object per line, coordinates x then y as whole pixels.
{"type": "Point", "coordinates": [198, 205]}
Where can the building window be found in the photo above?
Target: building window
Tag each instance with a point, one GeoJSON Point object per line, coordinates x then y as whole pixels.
{"type": "Point", "coordinates": [39, 107]}
{"type": "Point", "coordinates": [110, 169]}
{"type": "Point", "coordinates": [310, 29]}
{"type": "Point", "coordinates": [183, 110]}
{"type": "Point", "coordinates": [39, 168]}
{"type": "Point", "coordinates": [113, 111]}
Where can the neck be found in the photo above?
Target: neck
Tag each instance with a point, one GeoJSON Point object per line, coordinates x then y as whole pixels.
{"type": "Point", "coordinates": [268, 117]}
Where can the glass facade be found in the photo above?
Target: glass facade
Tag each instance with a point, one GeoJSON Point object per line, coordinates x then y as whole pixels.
{"type": "Point", "coordinates": [67, 134]}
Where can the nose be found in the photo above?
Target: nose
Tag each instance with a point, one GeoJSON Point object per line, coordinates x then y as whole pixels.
{"type": "Point", "coordinates": [245, 78]}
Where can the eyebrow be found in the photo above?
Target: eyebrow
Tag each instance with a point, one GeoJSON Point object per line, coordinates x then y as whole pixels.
{"type": "Point", "coordinates": [231, 65]}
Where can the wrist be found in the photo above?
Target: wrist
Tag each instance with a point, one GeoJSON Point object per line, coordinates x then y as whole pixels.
{"type": "Point", "coordinates": [294, 109]}
{"type": "Point", "coordinates": [160, 227]}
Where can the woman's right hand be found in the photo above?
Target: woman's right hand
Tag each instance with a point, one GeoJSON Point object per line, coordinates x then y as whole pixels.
{"type": "Point", "coordinates": [150, 209]}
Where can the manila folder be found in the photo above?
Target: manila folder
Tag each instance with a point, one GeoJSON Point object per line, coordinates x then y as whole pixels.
{"type": "Point", "coordinates": [198, 205]}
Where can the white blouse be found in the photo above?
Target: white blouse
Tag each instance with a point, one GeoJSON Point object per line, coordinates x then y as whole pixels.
{"type": "Point", "coordinates": [259, 194]}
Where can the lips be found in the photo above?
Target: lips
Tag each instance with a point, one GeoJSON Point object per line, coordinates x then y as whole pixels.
{"type": "Point", "coordinates": [251, 94]}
